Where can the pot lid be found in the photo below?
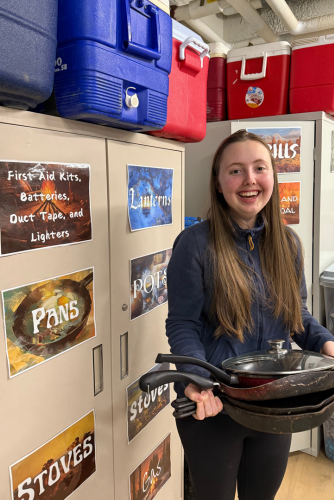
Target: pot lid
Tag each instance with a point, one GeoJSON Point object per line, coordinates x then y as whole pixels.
{"type": "Point", "coordinates": [278, 362]}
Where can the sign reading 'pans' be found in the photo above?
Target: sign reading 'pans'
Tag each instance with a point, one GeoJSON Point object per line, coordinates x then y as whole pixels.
{"type": "Point", "coordinates": [58, 467]}
{"type": "Point", "coordinates": [47, 318]}
{"type": "Point", "coordinates": [43, 205]}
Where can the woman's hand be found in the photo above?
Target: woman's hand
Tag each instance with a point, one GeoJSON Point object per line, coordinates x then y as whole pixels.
{"type": "Point", "coordinates": [207, 404]}
{"type": "Point", "coordinates": [328, 348]}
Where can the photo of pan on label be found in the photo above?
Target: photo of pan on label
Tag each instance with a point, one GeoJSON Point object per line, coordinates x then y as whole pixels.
{"type": "Point", "coordinates": [143, 407]}
{"type": "Point", "coordinates": [152, 474]}
{"type": "Point", "coordinates": [56, 469]}
{"type": "Point", "coordinates": [47, 318]}
{"type": "Point", "coordinates": [148, 285]}
{"type": "Point", "coordinates": [43, 205]}
{"type": "Point", "coordinates": [289, 193]}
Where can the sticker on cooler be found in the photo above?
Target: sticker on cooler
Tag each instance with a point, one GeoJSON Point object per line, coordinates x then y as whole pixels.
{"type": "Point", "coordinates": [254, 97]}
{"type": "Point", "coordinates": [59, 66]}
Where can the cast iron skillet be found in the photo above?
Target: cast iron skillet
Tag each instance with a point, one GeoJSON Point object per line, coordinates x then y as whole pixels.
{"type": "Point", "coordinates": [288, 406]}
{"type": "Point", "coordinates": [285, 387]}
{"type": "Point", "coordinates": [36, 298]}
{"type": "Point", "coordinates": [274, 424]}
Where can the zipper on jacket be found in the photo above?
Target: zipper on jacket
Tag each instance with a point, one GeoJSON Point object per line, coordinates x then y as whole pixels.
{"type": "Point", "coordinates": [250, 242]}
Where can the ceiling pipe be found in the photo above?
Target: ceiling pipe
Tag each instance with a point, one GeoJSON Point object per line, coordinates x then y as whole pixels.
{"type": "Point", "coordinates": [196, 10]}
{"type": "Point", "coordinates": [254, 19]}
{"type": "Point", "coordinates": [206, 32]}
{"type": "Point", "coordinates": [284, 14]}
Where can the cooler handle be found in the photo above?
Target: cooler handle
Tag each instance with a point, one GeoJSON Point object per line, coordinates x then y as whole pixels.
{"type": "Point", "coordinates": [196, 41]}
{"type": "Point", "coordinates": [254, 76]}
{"type": "Point", "coordinates": [136, 48]}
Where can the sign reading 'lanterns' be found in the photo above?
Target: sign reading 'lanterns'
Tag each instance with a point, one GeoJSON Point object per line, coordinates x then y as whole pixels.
{"type": "Point", "coordinates": [43, 205]}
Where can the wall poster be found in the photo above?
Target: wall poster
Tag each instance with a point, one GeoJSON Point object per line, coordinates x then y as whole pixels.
{"type": "Point", "coordinates": [289, 193]}
{"type": "Point", "coordinates": [142, 407]}
{"type": "Point", "coordinates": [46, 318]}
{"type": "Point", "coordinates": [148, 282]}
{"type": "Point", "coordinates": [284, 143]}
{"type": "Point", "coordinates": [150, 195]}
{"type": "Point", "coordinates": [152, 474]}
{"type": "Point", "coordinates": [43, 205]}
{"type": "Point", "coordinates": [58, 467]}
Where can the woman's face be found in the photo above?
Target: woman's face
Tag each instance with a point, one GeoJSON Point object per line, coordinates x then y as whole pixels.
{"type": "Point", "coordinates": [246, 179]}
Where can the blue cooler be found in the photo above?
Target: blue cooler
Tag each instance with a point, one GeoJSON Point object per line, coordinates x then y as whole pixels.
{"type": "Point", "coordinates": [28, 41]}
{"type": "Point", "coordinates": [113, 61]}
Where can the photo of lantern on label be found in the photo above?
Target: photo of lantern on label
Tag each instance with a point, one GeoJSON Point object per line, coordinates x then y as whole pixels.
{"type": "Point", "coordinates": [254, 97]}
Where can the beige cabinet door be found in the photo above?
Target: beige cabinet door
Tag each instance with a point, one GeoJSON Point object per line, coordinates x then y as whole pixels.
{"type": "Point", "coordinates": [40, 403]}
{"type": "Point", "coordinates": [146, 334]}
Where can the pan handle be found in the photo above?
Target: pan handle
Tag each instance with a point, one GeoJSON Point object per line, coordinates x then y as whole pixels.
{"type": "Point", "coordinates": [88, 279]}
{"type": "Point", "coordinates": [220, 375]}
{"type": "Point", "coordinates": [153, 380]}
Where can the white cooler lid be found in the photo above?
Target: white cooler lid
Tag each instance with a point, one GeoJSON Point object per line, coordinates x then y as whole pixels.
{"type": "Point", "coordinates": [272, 49]}
{"type": "Point", "coordinates": [181, 33]}
{"type": "Point", "coordinates": [314, 41]}
{"type": "Point", "coordinates": [217, 49]}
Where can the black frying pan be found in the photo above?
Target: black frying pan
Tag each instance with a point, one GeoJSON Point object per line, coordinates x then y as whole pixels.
{"type": "Point", "coordinates": [53, 343]}
{"type": "Point", "coordinates": [289, 406]}
{"type": "Point", "coordinates": [285, 387]}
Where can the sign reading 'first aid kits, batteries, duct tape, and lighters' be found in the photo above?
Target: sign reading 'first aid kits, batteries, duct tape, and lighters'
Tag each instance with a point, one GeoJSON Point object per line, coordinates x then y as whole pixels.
{"type": "Point", "coordinates": [43, 205]}
{"type": "Point", "coordinates": [285, 144]}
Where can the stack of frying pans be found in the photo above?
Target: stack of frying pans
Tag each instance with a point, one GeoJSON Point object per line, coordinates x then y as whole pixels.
{"type": "Point", "coordinates": [277, 391]}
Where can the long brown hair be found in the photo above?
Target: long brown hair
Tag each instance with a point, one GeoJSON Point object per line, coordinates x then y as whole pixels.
{"type": "Point", "coordinates": [278, 254]}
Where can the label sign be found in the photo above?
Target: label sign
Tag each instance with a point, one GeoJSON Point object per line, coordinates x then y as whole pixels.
{"type": "Point", "coordinates": [152, 474]}
{"type": "Point", "coordinates": [150, 194]}
{"type": "Point", "coordinates": [148, 285]}
{"type": "Point", "coordinates": [284, 143]}
{"type": "Point", "coordinates": [289, 193]}
{"type": "Point", "coordinates": [142, 407]}
{"type": "Point", "coordinates": [43, 205]}
{"type": "Point", "coordinates": [46, 318]}
{"type": "Point", "coordinates": [59, 467]}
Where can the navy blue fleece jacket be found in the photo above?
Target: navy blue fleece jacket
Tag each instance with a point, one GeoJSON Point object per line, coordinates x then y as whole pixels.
{"type": "Point", "coordinates": [189, 327]}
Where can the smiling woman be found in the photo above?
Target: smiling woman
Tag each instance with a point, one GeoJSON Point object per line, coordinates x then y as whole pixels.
{"type": "Point", "coordinates": [236, 283]}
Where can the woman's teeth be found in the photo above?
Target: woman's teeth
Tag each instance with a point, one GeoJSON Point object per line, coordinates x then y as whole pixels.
{"type": "Point", "coordinates": [249, 194]}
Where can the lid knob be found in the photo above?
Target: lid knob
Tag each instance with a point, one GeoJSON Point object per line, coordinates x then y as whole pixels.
{"type": "Point", "coordinates": [277, 346]}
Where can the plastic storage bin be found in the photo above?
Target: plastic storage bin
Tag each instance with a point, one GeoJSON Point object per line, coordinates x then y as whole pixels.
{"type": "Point", "coordinates": [216, 97]}
{"type": "Point", "coordinates": [312, 75]}
{"type": "Point", "coordinates": [258, 80]}
{"type": "Point", "coordinates": [28, 40]}
{"type": "Point", "coordinates": [186, 111]}
{"type": "Point", "coordinates": [327, 281]}
{"type": "Point", "coordinates": [113, 61]}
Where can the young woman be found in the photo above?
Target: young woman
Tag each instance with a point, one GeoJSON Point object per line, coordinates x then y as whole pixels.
{"type": "Point", "coordinates": [236, 281]}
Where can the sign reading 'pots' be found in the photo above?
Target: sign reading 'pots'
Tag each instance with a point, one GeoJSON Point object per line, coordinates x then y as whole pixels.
{"type": "Point", "coordinates": [47, 318]}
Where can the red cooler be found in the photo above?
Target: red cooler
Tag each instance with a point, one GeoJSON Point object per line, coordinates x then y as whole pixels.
{"type": "Point", "coordinates": [312, 75]}
{"type": "Point", "coordinates": [216, 106]}
{"type": "Point", "coordinates": [186, 106]}
{"type": "Point", "coordinates": [258, 80]}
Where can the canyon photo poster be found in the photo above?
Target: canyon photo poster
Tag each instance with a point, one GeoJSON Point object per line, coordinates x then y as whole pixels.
{"type": "Point", "coordinates": [150, 196]}
{"type": "Point", "coordinates": [285, 144]}
{"type": "Point", "coordinates": [57, 468]}
{"type": "Point", "coordinates": [47, 318]}
{"type": "Point", "coordinates": [43, 205]}
{"type": "Point", "coordinates": [289, 193]}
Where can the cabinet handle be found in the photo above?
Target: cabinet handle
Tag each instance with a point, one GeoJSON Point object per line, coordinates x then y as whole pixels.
{"type": "Point", "coordinates": [98, 369]}
{"type": "Point", "coordinates": [124, 355]}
